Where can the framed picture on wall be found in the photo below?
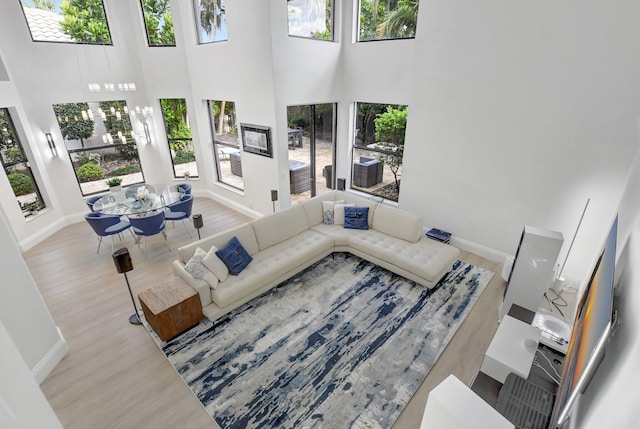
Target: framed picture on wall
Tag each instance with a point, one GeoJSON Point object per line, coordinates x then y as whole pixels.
{"type": "Point", "coordinates": [256, 139]}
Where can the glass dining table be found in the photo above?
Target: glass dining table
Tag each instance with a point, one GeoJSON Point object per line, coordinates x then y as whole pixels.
{"type": "Point", "coordinates": [138, 200]}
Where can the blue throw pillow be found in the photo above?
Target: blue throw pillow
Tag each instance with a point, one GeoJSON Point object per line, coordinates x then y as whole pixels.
{"type": "Point", "coordinates": [234, 256]}
{"type": "Point", "coordinates": [356, 217]}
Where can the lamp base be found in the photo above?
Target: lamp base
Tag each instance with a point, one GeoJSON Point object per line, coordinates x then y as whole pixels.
{"type": "Point", "coordinates": [134, 319]}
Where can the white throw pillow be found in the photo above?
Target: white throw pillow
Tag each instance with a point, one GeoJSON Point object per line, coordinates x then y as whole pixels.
{"type": "Point", "coordinates": [338, 213]}
{"type": "Point", "coordinates": [196, 268]}
{"type": "Point", "coordinates": [215, 264]}
{"type": "Point", "coordinates": [328, 211]}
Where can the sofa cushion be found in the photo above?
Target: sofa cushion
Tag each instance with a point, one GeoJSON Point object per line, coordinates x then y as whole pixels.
{"type": "Point", "coordinates": [397, 223]}
{"type": "Point", "coordinates": [356, 217]}
{"type": "Point", "coordinates": [245, 235]}
{"type": "Point", "coordinates": [278, 227]}
{"type": "Point", "coordinates": [197, 269]}
{"type": "Point", "coordinates": [215, 264]}
{"type": "Point", "coordinates": [313, 208]}
{"type": "Point", "coordinates": [362, 202]}
{"type": "Point", "coordinates": [425, 258]}
{"type": "Point", "coordinates": [234, 256]}
{"type": "Point", "coordinates": [338, 234]}
{"type": "Point", "coordinates": [328, 211]}
{"type": "Point", "coordinates": [271, 264]}
{"type": "Point", "coordinates": [338, 213]}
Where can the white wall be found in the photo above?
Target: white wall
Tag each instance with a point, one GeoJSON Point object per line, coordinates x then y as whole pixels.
{"type": "Point", "coordinates": [24, 313]}
{"type": "Point", "coordinates": [518, 112]}
{"type": "Point", "coordinates": [22, 403]}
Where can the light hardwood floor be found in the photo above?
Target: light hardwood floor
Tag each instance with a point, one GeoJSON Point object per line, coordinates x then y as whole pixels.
{"type": "Point", "coordinates": [114, 376]}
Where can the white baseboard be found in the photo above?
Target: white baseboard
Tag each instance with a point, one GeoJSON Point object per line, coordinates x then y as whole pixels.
{"type": "Point", "coordinates": [480, 250]}
{"type": "Point", "coordinates": [51, 229]}
{"type": "Point", "coordinates": [50, 360]}
{"type": "Point", "coordinates": [232, 204]}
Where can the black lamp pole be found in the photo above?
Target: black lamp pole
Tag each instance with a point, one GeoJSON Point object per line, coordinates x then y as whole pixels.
{"type": "Point", "coordinates": [123, 264]}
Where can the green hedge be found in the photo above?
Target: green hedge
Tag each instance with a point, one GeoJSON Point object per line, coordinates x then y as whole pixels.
{"type": "Point", "coordinates": [122, 171]}
{"type": "Point", "coordinates": [89, 172]}
{"type": "Point", "coordinates": [183, 156]}
{"type": "Point", "coordinates": [20, 183]}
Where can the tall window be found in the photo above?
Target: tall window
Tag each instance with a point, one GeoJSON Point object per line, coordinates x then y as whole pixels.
{"type": "Point", "coordinates": [211, 20]}
{"type": "Point", "coordinates": [70, 21]}
{"type": "Point", "coordinates": [158, 22]}
{"type": "Point", "coordinates": [387, 19]}
{"type": "Point", "coordinates": [226, 142]}
{"type": "Point", "coordinates": [100, 144]}
{"type": "Point", "coordinates": [310, 18]}
{"type": "Point", "coordinates": [17, 168]}
{"type": "Point", "coordinates": [176, 123]}
{"type": "Point", "coordinates": [378, 149]}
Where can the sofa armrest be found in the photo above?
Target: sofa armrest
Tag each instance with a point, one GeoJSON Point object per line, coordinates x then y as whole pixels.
{"type": "Point", "coordinates": [200, 286]}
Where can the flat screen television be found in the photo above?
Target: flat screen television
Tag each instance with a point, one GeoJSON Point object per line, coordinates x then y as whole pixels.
{"type": "Point", "coordinates": [591, 332]}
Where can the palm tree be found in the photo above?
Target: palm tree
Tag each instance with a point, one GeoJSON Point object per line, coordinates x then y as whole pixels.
{"type": "Point", "coordinates": [400, 22]}
{"type": "Point", "coordinates": [211, 15]}
{"type": "Point", "coordinates": [44, 5]}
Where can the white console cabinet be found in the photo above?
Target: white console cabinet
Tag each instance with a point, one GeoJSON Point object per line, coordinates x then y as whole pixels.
{"type": "Point", "coordinates": [533, 269]}
{"type": "Point", "coordinates": [453, 405]}
{"type": "Point", "coordinates": [512, 349]}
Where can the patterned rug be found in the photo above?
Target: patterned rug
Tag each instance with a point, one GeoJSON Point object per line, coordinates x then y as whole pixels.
{"type": "Point", "coordinates": [345, 343]}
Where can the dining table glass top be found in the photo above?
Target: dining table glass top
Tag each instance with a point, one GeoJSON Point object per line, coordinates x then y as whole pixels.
{"type": "Point", "coordinates": [138, 199]}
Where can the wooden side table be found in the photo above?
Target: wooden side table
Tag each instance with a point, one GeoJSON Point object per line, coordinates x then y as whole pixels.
{"type": "Point", "coordinates": [171, 308]}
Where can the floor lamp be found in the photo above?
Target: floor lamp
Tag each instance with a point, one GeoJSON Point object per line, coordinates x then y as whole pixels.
{"type": "Point", "coordinates": [122, 260]}
{"type": "Point", "coordinates": [198, 223]}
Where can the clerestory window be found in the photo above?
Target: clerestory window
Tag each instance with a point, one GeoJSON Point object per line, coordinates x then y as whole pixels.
{"type": "Point", "coordinates": [211, 20]}
{"type": "Point", "coordinates": [158, 22]}
{"type": "Point", "coordinates": [310, 18]}
{"type": "Point", "coordinates": [69, 21]}
{"type": "Point", "coordinates": [387, 19]}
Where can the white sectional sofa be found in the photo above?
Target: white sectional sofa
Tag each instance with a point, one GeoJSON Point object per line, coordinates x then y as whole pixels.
{"type": "Point", "coordinates": [284, 243]}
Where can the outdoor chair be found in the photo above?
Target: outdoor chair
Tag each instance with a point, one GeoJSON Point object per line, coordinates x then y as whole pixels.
{"type": "Point", "coordinates": [236, 164]}
{"type": "Point", "coordinates": [367, 172]}
{"type": "Point", "coordinates": [299, 177]}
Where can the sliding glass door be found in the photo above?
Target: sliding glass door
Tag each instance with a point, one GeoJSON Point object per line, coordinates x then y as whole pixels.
{"type": "Point", "coordinates": [311, 140]}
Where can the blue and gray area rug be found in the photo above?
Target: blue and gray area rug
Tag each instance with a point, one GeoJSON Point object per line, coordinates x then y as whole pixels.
{"type": "Point", "coordinates": [344, 344]}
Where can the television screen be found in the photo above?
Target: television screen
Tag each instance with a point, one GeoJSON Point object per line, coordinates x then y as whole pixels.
{"type": "Point", "coordinates": [590, 332]}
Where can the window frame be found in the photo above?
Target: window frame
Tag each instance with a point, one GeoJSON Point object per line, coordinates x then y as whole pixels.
{"type": "Point", "coordinates": [189, 141]}
{"type": "Point", "coordinates": [198, 23]}
{"type": "Point", "coordinates": [129, 139]}
{"type": "Point", "coordinates": [70, 42]}
{"type": "Point", "coordinates": [216, 142]}
{"type": "Point", "coordinates": [376, 150]}
{"type": "Point", "coordinates": [332, 4]}
{"type": "Point", "coordinates": [358, 36]}
{"type": "Point", "coordinates": [146, 28]}
{"type": "Point", "coordinates": [13, 131]}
